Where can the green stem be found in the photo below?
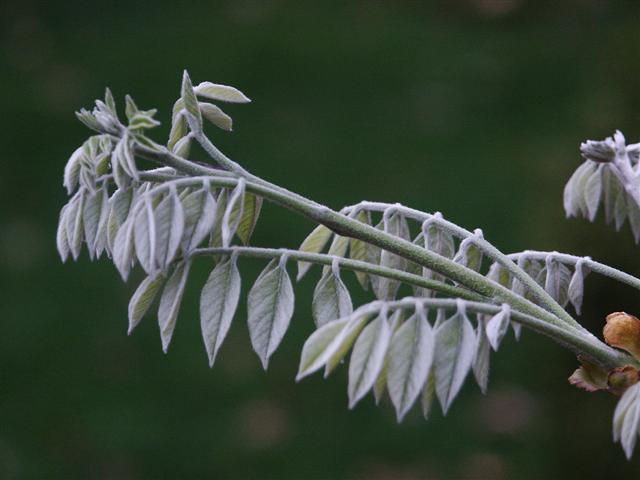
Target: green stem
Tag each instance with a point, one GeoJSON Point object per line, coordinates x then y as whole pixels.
{"type": "Point", "coordinates": [539, 293]}
{"type": "Point", "coordinates": [346, 263]}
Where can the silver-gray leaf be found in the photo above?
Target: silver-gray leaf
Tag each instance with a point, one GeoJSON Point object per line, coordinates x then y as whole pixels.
{"type": "Point", "coordinates": [170, 302]}
{"type": "Point", "coordinates": [143, 298]}
{"type": "Point", "coordinates": [200, 211]}
{"type": "Point", "coordinates": [123, 248]}
{"type": "Point", "coordinates": [233, 213]}
{"type": "Point", "coordinates": [497, 327]}
{"type": "Point", "coordinates": [626, 419]}
{"type": "Point", "coordinates": [482, 356]}
{"type": "Point", "coordinates": [145, 236]}
{"type": "Point", "coordinates": [331, 299]}
{"type": "Point", "coordinates": [218, 303]}
{"type": "Point", "coordinates": [576, 286]}
{"type": "Point", "coordinates": [411, 354]}
{"type": "Point", "coordinates": [319, 346]}
{"type": "Point", "coordinates": [270, 306]}
{"type": "Point", "coordinates": [62, 242]}
{"type": "Point", "coordinates": [314, 243]}
{"type": "Point", "coordinates": [367, 358]}
{"type": "Point", "coordinates": [169, 226]}
{"type": "Point", "coordinates": [592, 193]}
{"type": "Point", "coordinates": [454, 354]}
{"type": "Point", "coordinates": [222, 93]}
{"type": "Point", "coordinates": [119, 205]}
{"type": "Point", "coordinates": [216, 116]}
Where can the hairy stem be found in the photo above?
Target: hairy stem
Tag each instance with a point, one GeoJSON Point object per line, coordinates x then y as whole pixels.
{"type": "Point", "coordinates": [539, 293]}
{"type": "Point", "coordinates": [349, 264]}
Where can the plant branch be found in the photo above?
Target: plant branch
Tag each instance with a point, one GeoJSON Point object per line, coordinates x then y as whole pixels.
{"type": "Point", "coordinates": [599, 352]}
{"type": "Point", "coordinates": [349, 264]}
{"type": "Point", "coordinates": [592, 265]}
{"type": "Point", "coordinates": [487, 248]}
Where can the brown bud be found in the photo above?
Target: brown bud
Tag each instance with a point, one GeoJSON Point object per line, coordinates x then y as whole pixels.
{"type": "Point", "coordinates": [622, 378]}
{"type": "Point", "coordinates": [589, 377]}
{"type": "Point", "coordinates": [623, 331]}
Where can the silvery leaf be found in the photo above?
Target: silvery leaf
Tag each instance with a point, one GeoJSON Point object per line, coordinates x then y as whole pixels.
{"type": "Point", "coordinates": [119, 205]}
{"type": "Point", "coordinates": [592, 193]}
{"type": "Point", "coordinates": [338, 248]}
{"type": "Point", "coordinates": [215, 239]}
{"type": "Point", "coordinates": [74, 223]}
{"type": "Point", "coordinates": [194, 117]}
{"type": "Point", "coordinates": [557, 280]}
{"type": "Point", "coordinates": [233, 213]}
{"type": "Point", "coordinates": [611, 190]}
{"type": "Point", "coordinates": [270, 306]}
{"type": "Point", "coordinates": [319, 346]}
{"type": "Point", "coordinates": [123, 248]}
{"type": "Point", "coordinates": [145, 236]}
{"type": "Point", "coordinates": [440, 242]}
{"type": "Point", "coordinates": [626, 419]}
{"type": "Point", "coordinates": [62, 242]}
{"type": "Point", "coordinates": [394, 224]}
{"type": "Point", "coordinates": [428, 394]}
{"type": "Point", "coordinates": [411, 354]}
{"type": "Point", "coordinates": [101, 233]}
{"type": "Point", "coordinates": [143, 298]}
{"type": "Point", "coordinates": [576, 286]}
{"type": "Point", "coordinates": [454, 354]}
{"type": "Point", "coordinates": [123, 156]}
{"type": "Point", "coordinates": [110, 102]}
{"type": "Point", "coordinates": [469, 255]}
{"type": "Point", "coordinates": [182, 147]}
{"type": "Point", "coordinates": [314, 243]}
{"type": "Point", "coordinates": [130, 107]}
{"type": "Point", "coordinates": [169, 227]}
{"type": "Point", "coordinates": [142, 120]}
{"type": "Point", "coordinates": [344, 342]}
{"type": "Point", "coordinates": [170, 302]}
{"type": "Point", "coordinates": [200, 211]}
{"type": "Point", "coordinates": [367, 358]}
{"type": "Point", "coordinates": [574, 199]}
{"type": "Point", "coordinates": [395, 321]}
{"type": "Point", "coordinates": [179, 129]}
{"type": "Point", "coordinates": [499, 274]}
{"type": "Point", "coordinates": [634, 217]}
{"type": "Point", "coordinates": [88, 119]}
{"type": "Point", "coordinates": [91, 212]}
{"type": "Point", "coordinates": [218, 303]}
{"type": "Point", "coordinates": [331, 299]}
{"type": "Point", "coordinates": [482, 356]}
{"type": "Point", "coordinates": [223, 93]}
{"type": "Point", "coordinates": [620, 210]}
{"type": "Point", "coordinates": [250, 212]}
{"type": "Point", "coordinates": [72, 170]}
{"type": "Point", "coordinates": [216, 116]}
{"type": "Point", "coordinates": [497, 327]}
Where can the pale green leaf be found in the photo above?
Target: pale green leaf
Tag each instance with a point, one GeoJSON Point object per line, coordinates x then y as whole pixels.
{"type": "Point", "coordinates": [218, 303]}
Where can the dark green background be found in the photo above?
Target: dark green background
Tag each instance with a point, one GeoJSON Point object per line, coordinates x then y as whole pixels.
{"type": "Point", "coordinates": [475, 108]}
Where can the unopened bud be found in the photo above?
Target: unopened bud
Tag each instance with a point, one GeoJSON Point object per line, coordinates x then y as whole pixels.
{"type": "Point", "coordinates": [621, 378]}
{"type": "Point", "coordinates": [599, 151]}
{"type": "Point", "coordinates": [623, 331]}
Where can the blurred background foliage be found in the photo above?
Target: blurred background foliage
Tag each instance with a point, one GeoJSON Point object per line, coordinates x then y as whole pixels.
{"type": "Point", "coordinates": [472, 107]}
